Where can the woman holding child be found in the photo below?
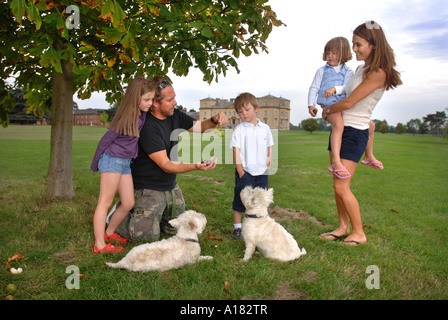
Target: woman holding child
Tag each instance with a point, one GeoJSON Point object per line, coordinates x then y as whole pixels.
{"type": "Point", "coordinates": [363, 90]}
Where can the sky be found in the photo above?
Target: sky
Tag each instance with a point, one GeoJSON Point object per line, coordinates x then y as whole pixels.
{"type": "Point", "coordinates": [416, 30]}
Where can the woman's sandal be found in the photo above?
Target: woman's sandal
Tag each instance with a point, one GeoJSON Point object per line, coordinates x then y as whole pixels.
{"type": "Point", "coordinates": [351, 243]}
{"type": "Point", "coordinates": [329, 234]}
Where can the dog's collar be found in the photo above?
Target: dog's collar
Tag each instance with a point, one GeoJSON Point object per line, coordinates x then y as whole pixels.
{"type": "Point", "coordinates": [253, 216]}
{"type": "Point", "coordinates": [189, 240]}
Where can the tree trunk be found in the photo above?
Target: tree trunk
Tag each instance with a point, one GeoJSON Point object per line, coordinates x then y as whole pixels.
{"type": "Point", "coordinates": [60, 180]}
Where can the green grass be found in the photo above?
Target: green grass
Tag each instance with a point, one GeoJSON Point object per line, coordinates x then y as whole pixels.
{"type": "Point", "coordinates": [404, 209]}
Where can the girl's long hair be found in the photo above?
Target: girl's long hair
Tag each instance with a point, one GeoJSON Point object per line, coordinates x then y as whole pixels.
{"type": "Point", "coordinates": [125, 121]}
{"type": "Point", "coordinates": [383, 56]}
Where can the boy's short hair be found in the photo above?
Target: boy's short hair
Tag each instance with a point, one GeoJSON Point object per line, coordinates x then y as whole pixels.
{"type": "Point", "coordinates": [245, 98]}
{"type": "Point", "coordinates": [340, 45]}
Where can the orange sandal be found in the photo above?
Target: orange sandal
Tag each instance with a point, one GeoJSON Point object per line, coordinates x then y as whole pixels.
{"type": "Point", "coordinates": [109, 248]}
{"type": "Point", "coordinates": [115, 238]}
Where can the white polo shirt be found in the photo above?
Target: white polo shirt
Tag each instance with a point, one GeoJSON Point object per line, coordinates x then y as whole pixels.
{"type": "Point", "coordinates": [253, 142]}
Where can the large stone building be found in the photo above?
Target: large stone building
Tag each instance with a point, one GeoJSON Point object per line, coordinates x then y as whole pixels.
{"type": "Point", "coordinates": [273, 111]}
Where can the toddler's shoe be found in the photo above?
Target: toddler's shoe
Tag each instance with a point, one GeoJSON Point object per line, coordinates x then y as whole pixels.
{"type": "Point", "coordinates": [237, 234]}
{"type": "Point", "coordinates": [115, 238]}
{"type": "Point", "coordinates": [109, 248]}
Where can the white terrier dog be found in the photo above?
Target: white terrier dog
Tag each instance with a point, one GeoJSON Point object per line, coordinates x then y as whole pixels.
{"type": "Point", "coordinates": [262, 232]}
{"type": "Point", "coordinates": [171, 253]}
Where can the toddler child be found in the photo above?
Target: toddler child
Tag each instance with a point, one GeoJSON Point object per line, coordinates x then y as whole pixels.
{"type": "Point", "coordinates": [327, 88]}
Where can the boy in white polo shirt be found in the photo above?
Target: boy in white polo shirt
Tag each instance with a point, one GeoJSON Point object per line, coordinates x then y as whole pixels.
{"type": "Point", "coordinates": [251, 142]}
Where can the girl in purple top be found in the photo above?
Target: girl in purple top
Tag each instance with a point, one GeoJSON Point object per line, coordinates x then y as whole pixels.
{"type": "Point", "coordinates": [112, 159]}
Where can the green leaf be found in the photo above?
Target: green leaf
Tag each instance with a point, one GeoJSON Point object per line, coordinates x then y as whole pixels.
{"type": "Point", "coordinates": [18, 9]}
{"type": "Point", "coordinates": [113, 11]}
{"type": "Point", "coordinates": [246, 51]}
{"type": "Point", "coordinates": [206, 32]}
{"type": "Point", "coordinates": [118, 14]}
{"type": "Point", "coordinates": [38, 22]}
{"type": "Point", "coordinates": [127, 40]}
{"type": "Point", "coordinates": [234, 4]}
{"type": "Point", "coordinates": [112, 35]}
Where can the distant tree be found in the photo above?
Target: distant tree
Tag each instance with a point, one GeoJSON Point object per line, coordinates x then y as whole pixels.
{"type": "Point", "coordinates": [413, 126]}
{"type": "Point", "coordinates": [323, 125]}
{"type": "Point", "coordinates": [104, 117]}
{"type": "Point", "coordinates": [112, 111]}
{"type": "Point", "coordinates": [293, 127]}
{"type": "Point", "coordinates": [377, 124]}
{"type": "Point", "coordinates": [445, 132]}
{"type": "Point", "coordinates": [383, 127]}
{"type": "Point", "coordinates": [400, 128]}
{"type": "Point", "coordinates": [436, 120]}
{"type": "Point", "coordinates": [423, 128]}
{"type": "Point", "coordinates": [310, 125]}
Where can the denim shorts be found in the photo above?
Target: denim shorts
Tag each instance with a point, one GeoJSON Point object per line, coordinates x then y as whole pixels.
{"type": "Point", "coordinates": [354, 143]}
{"type": "Point", "coordinates": [247, 180]}
{"type": "Point", "coordinates": [108, 163]}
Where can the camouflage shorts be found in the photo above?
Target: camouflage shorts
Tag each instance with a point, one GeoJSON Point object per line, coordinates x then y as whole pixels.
{"type": "Point", "coordinates": [152, 212]}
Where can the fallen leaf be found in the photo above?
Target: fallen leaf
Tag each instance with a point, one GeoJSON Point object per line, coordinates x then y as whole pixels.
{"type": "Point", "coordinates": [226, 286]}
{"type": "Point", "coordinates": [393, 210]}
{"type": "Point", "coordinates": [17, 256]}
{"type": "Point", "coordinates": [209, 236]}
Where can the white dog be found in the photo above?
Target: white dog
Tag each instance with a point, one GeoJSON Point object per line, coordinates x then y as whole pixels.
{"type": "Point", "coordinates": [262, 232]}
{"type": "Point", "coordinates": [171, 253]}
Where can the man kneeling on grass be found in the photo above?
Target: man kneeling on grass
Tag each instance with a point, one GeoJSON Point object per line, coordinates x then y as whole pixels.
{"type": "Point", "coordinates": [158, 198]}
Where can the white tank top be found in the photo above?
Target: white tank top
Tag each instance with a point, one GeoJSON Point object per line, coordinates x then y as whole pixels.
{"type": "Point", "coordinates": [359, 115]}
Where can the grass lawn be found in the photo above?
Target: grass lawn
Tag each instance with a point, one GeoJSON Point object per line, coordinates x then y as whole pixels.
{"type": "Point", "coordinates": [404, 209]}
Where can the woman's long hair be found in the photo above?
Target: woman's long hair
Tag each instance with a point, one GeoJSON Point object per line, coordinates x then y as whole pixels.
{"type": "Point", "coordinates": [125, 121]}
{"type": "Point", "coordinates": [383, 56]}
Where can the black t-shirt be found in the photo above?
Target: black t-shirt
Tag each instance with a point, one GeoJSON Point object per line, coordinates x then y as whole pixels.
{"type": "Point", "coordinates": [157, 135]}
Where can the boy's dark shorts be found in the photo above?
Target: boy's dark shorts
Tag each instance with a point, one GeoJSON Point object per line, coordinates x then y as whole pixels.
{"type": "Point", "coordinates": [354, 143]}
{"type": "Point", "coordinates": [247, 180]}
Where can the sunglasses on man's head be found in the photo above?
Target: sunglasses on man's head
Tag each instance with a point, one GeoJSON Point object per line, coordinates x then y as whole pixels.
{"type": "Point", "coordinates": [163, 84]}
